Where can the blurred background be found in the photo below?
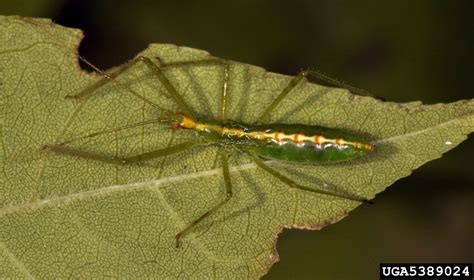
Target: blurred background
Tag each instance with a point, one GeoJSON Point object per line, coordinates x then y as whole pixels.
{"type": "Point", "coordinates": [400, 50]}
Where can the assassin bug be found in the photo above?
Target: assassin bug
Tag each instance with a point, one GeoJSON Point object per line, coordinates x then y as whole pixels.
{"type": "Point", "coordinates": [286, 142]}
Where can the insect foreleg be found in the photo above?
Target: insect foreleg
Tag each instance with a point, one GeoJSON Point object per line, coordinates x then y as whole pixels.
{"type": "Point", "coordinates": [88, 91]}
{"type": "Point", "coordinates": [106, 77]}
{"type": "Point", "coordinates": [293, 184]}
{"type": "Point", "coordinates": [228, 196]}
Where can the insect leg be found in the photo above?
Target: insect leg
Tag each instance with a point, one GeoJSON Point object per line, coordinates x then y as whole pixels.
{"type": "Point", "coordinates": [188, 63]}
{"type": "Point", "coordinates": [90, 135]}
{"type": "Point", "coordinates": [228, 196]}
{"type": "Point", "coordinates": [205, 62]}
{"type": "Point", "coordinates": [296, 80]}
{"type": "Point", "coordinates": [62, 149]}
{"type": "Point", "coordinates": [293, 184]}
{"type": "Point", "coordinates": [160, 152]}
{"type": "Point", "coordinates": [173, 92]}
{"type": "Point", "coordinates": [158, 71]}
{"type": "Point", "coordinates": [107, 78]}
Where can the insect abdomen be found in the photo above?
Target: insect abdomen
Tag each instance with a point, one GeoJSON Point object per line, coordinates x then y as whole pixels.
{"type": "Point", "coordinates": [309, 144]}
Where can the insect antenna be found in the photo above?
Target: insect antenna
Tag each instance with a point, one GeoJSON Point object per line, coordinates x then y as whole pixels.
{"type": "Point", "coordinates": [106, 131]}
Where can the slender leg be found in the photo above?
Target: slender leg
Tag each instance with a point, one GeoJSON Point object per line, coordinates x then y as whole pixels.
{"type": "Point", "coordinates": [188, 63]}
{"type": "Point", "coordinates": [157, 71]}
{"type": "Point", "coordinates": [293, 184]}
{"type": "Point", "coordinates": [90, 135]}
{"type": "Point", "coordinates": [228, 196]}
{"type": "Point", "coordinates": [205, 62]}
{"type": "Point", "coordinates": [107, 78]}
{"type": "Point", "coordinates": [296, 80]}
{"type": "Point", "coordinates": [174, 94]}
{"type": "Point", "coordinates": [161, 152]}
{"type": "Point", "coordinates": [61, 149]}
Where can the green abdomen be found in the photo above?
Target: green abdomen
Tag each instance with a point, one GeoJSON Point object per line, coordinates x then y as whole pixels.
{"type": "Point", "coordinates": [333, 146]}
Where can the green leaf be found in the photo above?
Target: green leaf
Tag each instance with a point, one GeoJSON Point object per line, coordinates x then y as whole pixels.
{"type": "Point", "coordinates": [63, 216]}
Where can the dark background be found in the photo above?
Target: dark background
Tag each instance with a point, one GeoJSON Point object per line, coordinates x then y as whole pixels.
{"type": "Point", "coordinates": [400, 50]}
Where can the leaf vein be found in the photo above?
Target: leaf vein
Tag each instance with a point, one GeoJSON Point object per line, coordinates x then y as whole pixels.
{"type": "Point", "coordinates": [418, 132]}
{"type": "Point", "coordinates": [20, 265]}
{"type": "Point", "coordinates": [117, 188]}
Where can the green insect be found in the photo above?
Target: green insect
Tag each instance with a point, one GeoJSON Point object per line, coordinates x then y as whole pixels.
{"type": "Point", "coordinates": [287, 142]}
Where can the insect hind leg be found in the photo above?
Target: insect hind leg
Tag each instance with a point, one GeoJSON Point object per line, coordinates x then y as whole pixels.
{"type": "Point", "coordinates": [303, 75]}
{"type": "Point", "coordinates": [294, 184]}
